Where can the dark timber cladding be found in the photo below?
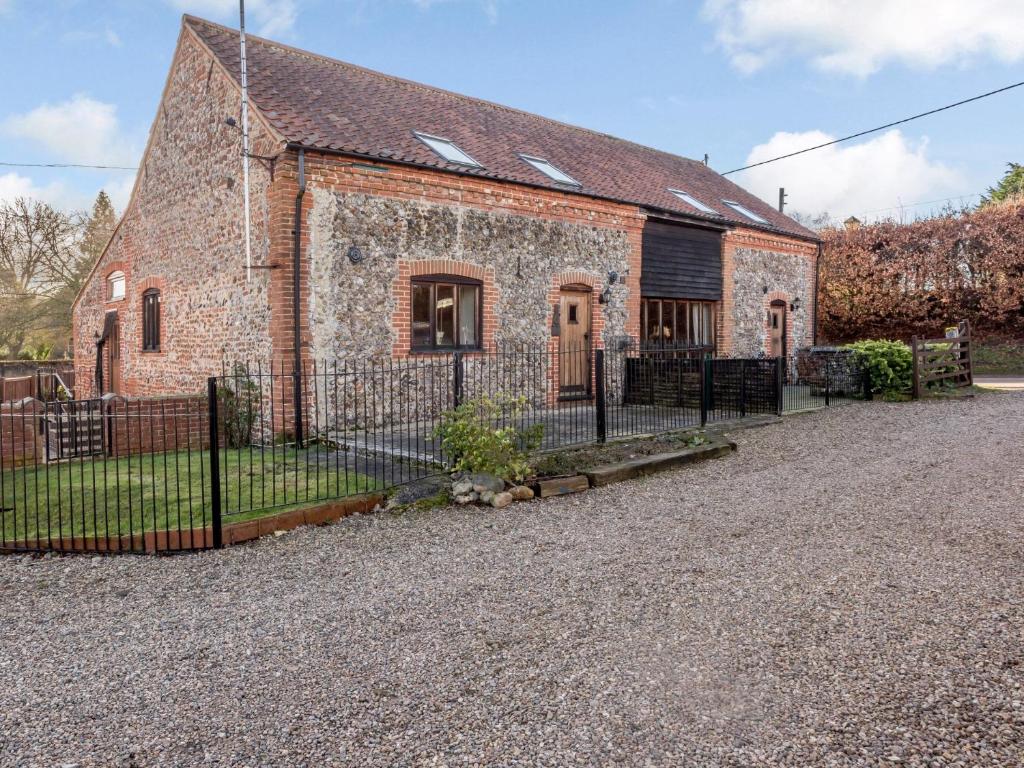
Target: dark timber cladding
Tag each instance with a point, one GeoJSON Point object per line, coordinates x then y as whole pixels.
{"type": "Point", "coordinates": [681, 262]}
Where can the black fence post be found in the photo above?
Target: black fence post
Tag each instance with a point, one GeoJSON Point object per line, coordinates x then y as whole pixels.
{"type": "Point", "coordinates": [780, 386]}
{"type": "Point", "coordinates": [828, 384]}
{"type": "Point", "coordinates": [866, 376]}
{"type": "Point", "coordinates": [297, 400]}
{"type": "Point", "coordinates": [599, 396]}
{"type": "Point", "coordinates": [705, 377]}
{"type": "Point", "coordinates": [211, 405]}
{"type": "Point", "coordinates": [743, 388]}
{"type": "Point", "coordinates": [458, 375]}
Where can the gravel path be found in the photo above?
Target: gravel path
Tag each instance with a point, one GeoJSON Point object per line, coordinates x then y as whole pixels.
{"type": "Point", "coordinates": [845, 590]}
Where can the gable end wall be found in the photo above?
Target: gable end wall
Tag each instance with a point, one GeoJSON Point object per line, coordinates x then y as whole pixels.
{"type": "Point", "coordinates": [183, 232]}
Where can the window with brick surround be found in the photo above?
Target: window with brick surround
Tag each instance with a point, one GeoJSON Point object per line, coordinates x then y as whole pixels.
{"type": "Point", "coordinates": [446, 313]}
{"type": "Point", "coordinates": [151, 320]}
{"type": "Point", "coordinates": [677, 322]}
{"type": "Point", "coordinates": [115, 286]}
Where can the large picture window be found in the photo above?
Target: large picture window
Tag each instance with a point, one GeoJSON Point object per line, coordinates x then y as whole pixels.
{"type": "Point", "coordinates": [151, 321]}
{"type": "Point", "coordinates": [675, 322]}
{"type": "Point", "coordinates": [445, 313]}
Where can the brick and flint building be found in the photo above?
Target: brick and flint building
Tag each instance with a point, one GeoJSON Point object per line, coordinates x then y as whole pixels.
{"type": "Point", "coordinates": [391, 219]}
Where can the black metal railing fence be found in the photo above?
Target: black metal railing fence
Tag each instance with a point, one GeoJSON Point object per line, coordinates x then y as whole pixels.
{"type": "Point", "coordinates": [166, 474]}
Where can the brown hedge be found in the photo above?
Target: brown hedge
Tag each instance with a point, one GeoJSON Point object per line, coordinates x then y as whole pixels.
{"type": "Point", "coordinates": [891, 280]}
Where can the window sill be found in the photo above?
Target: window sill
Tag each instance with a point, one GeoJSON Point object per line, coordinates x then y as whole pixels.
{"type": "Point", "coordinates": [115, 301]}
{"type": "Point", "coordinates": [153, 352]}
{"type": "Point", "coordinates": [445, 351]}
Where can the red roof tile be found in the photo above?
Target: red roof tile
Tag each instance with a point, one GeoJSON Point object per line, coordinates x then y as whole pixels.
{"type": "Point", "coordinates": [322, 103]}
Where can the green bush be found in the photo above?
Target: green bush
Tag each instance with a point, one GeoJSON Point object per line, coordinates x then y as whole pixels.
{"type": "Point", "coordinates": [238, 401]}
{"type": "Point", "coordinates": [481, 436]}
{"type": "Point", "coordinates": [890, 365]}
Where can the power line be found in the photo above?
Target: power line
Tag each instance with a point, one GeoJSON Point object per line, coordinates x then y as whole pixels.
{"type": "Point", "coordinates": [68, 165]}
{"type": "Point", "coordinates": [879, 128]}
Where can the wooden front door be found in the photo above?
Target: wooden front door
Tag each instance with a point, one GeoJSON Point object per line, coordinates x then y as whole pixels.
{"type": "Point", "coordinates": [777, 329]}
{"type": "Point", "coordinates": [113, 350]}
{"type": "Point", "coordinates": [574, 341]}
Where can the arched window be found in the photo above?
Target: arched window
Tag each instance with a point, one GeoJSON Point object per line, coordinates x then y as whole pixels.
{"type": "Point", "coordinates": [446, 312]}
{"type": "Point", "coordinates": [151, 320]}
{"type": "Point", "coordinates": [115, 286]}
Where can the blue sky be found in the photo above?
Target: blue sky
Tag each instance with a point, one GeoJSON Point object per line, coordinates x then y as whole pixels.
{"type": "Point", "coordinates": [738, 79]}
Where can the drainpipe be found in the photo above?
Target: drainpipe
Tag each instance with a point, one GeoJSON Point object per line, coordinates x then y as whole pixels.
{"type": "Point", "coordinates": [817, 278]}
{"type": "Point", "coordinates": [296, 297]}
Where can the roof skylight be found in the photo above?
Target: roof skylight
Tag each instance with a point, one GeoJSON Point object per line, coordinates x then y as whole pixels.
{"type": "Point", "coordinates": [447, 149]}
{"type": "Point", "coordinates": [691, 200]}
{"type": "Point", "coordinates": [744, 211]}
{"type": "Point", "coordinates": [550, 170]}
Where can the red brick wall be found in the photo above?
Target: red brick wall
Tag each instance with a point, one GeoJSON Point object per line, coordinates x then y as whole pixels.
{"type": "Point", "coordinates": [20, 442]}
{"type": "Point", "coordinates": [156, 425]}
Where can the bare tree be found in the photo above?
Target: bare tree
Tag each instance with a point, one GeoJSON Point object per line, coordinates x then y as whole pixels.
{"type": "Point", "coordinates": [40, 259]}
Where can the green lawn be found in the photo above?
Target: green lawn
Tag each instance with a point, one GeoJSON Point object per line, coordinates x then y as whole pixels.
{"type": "Point", "coordinates": [998, 359]}
{"type": "Point", "coordinates": [165, 491]}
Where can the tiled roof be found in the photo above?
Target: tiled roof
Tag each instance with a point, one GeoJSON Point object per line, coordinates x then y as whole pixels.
{"type": "Point", "coordinates": [322, 103]}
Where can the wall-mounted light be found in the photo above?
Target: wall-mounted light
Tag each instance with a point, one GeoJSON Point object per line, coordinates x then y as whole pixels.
{"type": "Point", "coordinates": [605, 295]}
{"type": "Point", "coordinates": [764, 289]}
{"type": "Point", "coordinates": [795, 305]}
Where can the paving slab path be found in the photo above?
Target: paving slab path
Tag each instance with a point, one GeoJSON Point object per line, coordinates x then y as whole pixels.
{"type": "Point", "coordinates": [845, 589]}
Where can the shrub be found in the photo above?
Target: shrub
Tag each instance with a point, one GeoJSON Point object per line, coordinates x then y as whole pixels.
{"type": "Point", "coordinates": [481, 435]}
{"type": "Point", "coordinates": [238, 399]}
{"type": "Point", "coordinates": [890, 365]}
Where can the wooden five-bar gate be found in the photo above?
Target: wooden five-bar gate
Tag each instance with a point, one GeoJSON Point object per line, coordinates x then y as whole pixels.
{"type": "Point", "coordinates": [943, 362]}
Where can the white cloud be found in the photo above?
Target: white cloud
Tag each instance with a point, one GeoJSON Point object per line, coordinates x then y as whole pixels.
{"type": "Point", "coordinates": [113, 39]}
{"type": "Point", "coordinates": [270, 17]}
{"type": "Point", "coordinates": [844, 180]}
{"type": "Point", "coordinates": [859, 37]}
{"type": "Point", "coordinates": [57, 193]}
{"type": "Point", "coordinates": [80, 130]}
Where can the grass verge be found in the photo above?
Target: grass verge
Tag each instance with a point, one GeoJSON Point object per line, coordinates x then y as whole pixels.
{"type": "Point", "coordinates": [166, 491]}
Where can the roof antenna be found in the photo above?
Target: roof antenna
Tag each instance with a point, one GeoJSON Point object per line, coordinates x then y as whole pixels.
{"type": "Point", "coordinates": [245, 139]}
{"type": "Point", "coordinates": [705, 158]}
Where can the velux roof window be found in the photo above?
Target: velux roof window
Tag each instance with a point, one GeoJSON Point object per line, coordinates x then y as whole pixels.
{"type": "Point", "coordinates": [550, 170]}
{"type": "Point", "coordinates": [693, 201]}
{"type": "Point", "coordinates": [447, 149]}
{"type": "Point", "coordinates": [744, 211]}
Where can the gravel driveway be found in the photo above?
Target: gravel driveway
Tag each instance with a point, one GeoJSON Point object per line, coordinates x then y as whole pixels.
{"type": "Point", "coordinates": [844, 590]}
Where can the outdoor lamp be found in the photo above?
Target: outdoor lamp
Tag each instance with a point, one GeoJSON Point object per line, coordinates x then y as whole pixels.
{"type": "Point", "coordinates": [796, 304]}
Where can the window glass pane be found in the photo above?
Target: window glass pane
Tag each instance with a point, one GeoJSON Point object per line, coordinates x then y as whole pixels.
{"type": "Point", "coordinates": [668, 321]}
{"type": "Point", "coordinates": [421, 308]}
{"type": "Point", "coordinates": [467, 315]}
{"type": "Point", "coordinates": [444, 316]}
{"type": "Point", "coordinates": [682, 326]}
{"type": "Point", "coordinates": [744, 211]}
{"type": "Point", "coordinates": [447, 150]}
{"type": "Point", "coordinates": [550, 170]}
{"type": "Point", "coordinates": [117, 285]}
{"type": "Point", "coordinates": [653, 319]}
{"type": "Point", "coordinates": [695, 324]}
{"type": "Point", "coordinates": [692, 201]}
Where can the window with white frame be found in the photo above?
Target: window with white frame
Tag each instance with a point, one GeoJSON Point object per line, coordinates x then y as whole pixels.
{"type": "Point", "coordinates": [550, 170]}
{"type": "Point", "coordinates": [115, 286]}
{"type": "Point", "coordinates": [693, 202]}
{"type": "Point", "coordinates": [744, 211]}
{"type": "Point", "coordinates": [447, 149]}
